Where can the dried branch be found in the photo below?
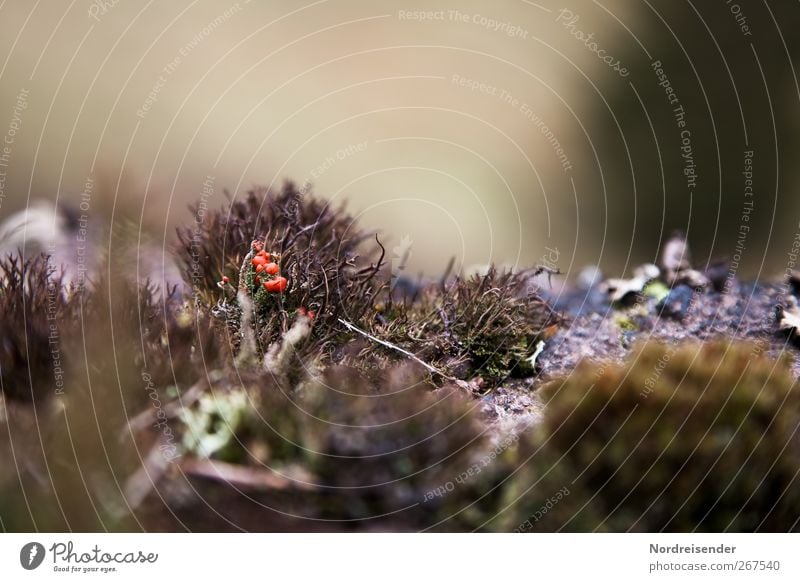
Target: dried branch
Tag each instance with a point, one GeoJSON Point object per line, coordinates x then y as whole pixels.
{"type": "Point", "coordinates": [241, 476]}
{"type": "Point", "coordinates": [392, 346]}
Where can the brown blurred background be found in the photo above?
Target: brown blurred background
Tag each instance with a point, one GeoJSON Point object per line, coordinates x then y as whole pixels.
{"type": "Point", "coordinates": [488, 131]}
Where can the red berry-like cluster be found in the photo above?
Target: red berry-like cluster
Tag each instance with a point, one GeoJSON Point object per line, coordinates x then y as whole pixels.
{"type": "Point", "coordinates": [267, 272]}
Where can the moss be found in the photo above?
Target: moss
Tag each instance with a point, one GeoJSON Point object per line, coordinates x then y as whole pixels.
{"type": "Point", "coordinates": [485, 325]}
{"type": "Point", "coordinates": [37, 312]}
{"type": "Point", "coordinates": [92, 360]}
{"type": "Point", "coordinates": [151, 373]}
{"type": "Point", "coordinates": [320, 250]}
{"type": "Point", "coordinates": [678, 438]}
{"type": "Point", "coordinates": [367, 450]}
{"type": "Point", "coordinates": [698, 437]}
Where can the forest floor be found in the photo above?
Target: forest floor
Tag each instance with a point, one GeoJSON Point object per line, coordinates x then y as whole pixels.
{"type": "Point", "coordinates": [264, 408]}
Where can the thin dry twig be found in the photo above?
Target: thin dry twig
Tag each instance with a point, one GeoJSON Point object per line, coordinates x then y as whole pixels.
{"type": "Point", "coordinates": [390, 345]}
{"type": "Point", "coordinates": [241, 476]}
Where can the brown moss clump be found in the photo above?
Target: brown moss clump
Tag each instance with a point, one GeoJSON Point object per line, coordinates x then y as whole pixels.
{"type": "Point", "coordinates": [92, 359]}
{"type": "Point", "coordinates": [698, 437]}
{"type": "Point", "coordinates": [317, 247]}
{"type": "Point", "coordinates": [485, 325]}
{"type": "Point", "coordinates": [36, 311]}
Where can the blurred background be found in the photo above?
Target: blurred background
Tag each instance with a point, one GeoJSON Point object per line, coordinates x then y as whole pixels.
{"type": "Point", "coordinates": [580, 132]}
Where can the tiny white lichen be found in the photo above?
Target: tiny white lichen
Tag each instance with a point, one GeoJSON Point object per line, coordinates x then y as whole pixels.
{"type": "Point", "coordinates": [539, 349]}
{"type": "Point", "coordinates": [789, 316]}
{"type": "Point", "coordinates": [212, 423]}
{"type": "Point", "coordinates": [618, 289]}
